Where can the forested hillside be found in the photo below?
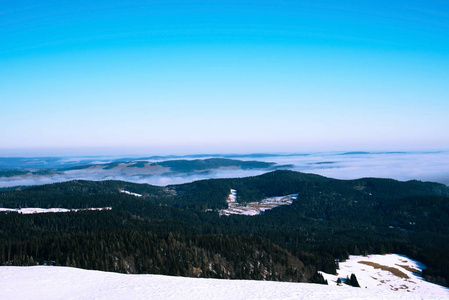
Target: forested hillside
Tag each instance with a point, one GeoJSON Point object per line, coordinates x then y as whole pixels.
{"type": "Point", "coordinates": [168, 230]}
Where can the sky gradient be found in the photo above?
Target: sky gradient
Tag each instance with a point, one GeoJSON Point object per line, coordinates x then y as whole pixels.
{"type": "Point", "coordinates": [159, 77]}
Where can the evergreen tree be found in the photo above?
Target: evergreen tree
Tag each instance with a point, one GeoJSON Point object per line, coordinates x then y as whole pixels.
{"type": "Point", "coordinates": [353, 281]}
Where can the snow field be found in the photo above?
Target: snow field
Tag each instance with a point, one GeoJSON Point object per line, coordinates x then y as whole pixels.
{"type": "Point", "coordinates": [390, 272]}
{"type": "Point", "coordinates": [37, 210]}
{"type": "Point", "coordinates": [47, 282]}
{"type": "Point", "coordinates": [130, 193]}
{"type": "Point", "coordinates": [254, 208]}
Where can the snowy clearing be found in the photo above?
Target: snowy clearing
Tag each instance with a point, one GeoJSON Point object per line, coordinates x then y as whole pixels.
{"type": "Point", "coordinates": [390, 272]}
{"type": "Point", "coordinates": [130, 193]}
{"type": "Point", "coordinates": [254, 208]}
{"type": "Point", "coordinates": [37, 210]}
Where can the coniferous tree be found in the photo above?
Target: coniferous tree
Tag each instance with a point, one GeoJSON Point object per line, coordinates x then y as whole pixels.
{"type": "Point", "coordinates": [353, 281]}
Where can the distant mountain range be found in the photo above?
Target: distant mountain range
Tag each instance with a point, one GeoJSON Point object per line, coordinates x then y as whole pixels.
{"type": "Point", "coordinates": [56, 163]}
{"type": "Point", "coordinates": [172, 167]}
{"type": "Point", "coordinates": [138, 169]}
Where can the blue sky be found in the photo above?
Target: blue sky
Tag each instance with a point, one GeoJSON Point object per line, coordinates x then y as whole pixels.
{"type": "Point", "coordinates": [158, 77]}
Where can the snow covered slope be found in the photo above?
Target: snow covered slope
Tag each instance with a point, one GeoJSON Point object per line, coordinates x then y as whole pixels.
{"type": "Point", "coordinates": [40, 282]}
{"type": "Point", "coordinates": [254, 208]}
{"type": "Point", "coordinates": [391, 272]}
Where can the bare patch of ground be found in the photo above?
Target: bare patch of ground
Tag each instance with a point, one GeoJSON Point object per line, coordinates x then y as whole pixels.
{"type": "Point", "coordinates": [408, 268]}
{"type": "Point", "coordinates": [392, 270]}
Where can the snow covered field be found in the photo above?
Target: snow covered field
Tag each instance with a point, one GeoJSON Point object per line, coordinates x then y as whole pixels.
{"type": "Point", "coordinates": [130, 193]}
{"type": "Point", "coordinates": [388, 272]}
{"type": "Point", "coordinates": [40, 282]}
{"type": "Point", "coordinates": [37, 210]}
{"type": "Point", "coordinates": [254, 208]}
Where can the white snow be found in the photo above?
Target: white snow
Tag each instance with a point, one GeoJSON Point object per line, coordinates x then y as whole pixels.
{"type": "Point", "coordinates": [130, 193]}
{"type": "Point", "coordinates": [232, 198]}
{"type": "Point", "coordinates": [37, 210]}
{"type": "Point", "coordinates": [254, 208]}
{"type": "Point", "coordinates": [398, 278]}
{"type": "Point", "coordinates": [48, 282]}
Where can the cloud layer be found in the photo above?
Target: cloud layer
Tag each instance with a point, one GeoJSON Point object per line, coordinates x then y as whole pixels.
{"type": "Point", "coordinates": [425, 166]}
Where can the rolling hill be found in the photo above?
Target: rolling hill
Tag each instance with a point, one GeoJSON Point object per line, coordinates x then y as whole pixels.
{"type": "Point", "coordinates": [177, 229]}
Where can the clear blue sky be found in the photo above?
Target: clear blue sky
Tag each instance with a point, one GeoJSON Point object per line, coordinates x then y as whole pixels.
{"type": "Point", "coordinates": [134, 77]}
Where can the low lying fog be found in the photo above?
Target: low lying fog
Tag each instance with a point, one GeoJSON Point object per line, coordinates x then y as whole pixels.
{"type": "Point", "coordinates": [425, 166]}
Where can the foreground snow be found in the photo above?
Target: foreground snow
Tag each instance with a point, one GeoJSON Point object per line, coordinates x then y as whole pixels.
{"type": "Point", "coordinates": [40, 282]}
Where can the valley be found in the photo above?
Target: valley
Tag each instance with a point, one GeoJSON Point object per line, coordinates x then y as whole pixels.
{"type": "Point", "coordinates": [279, 226]}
